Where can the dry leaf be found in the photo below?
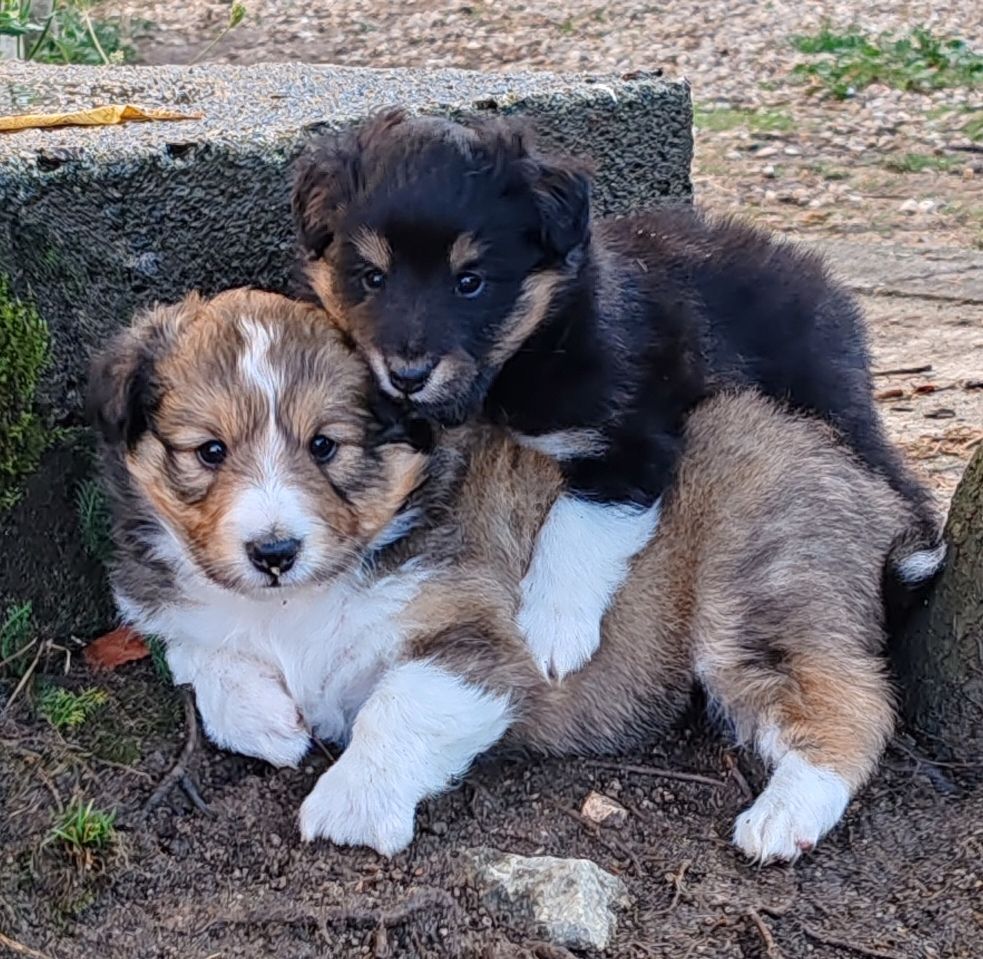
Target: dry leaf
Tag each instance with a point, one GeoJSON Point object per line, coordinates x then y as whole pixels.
{"type": "Point", "coordinates": [890, 394]}
{"type": "Point", "coordinates": [96, 117]}
{"type": "Point", "coordinates": [123, 645]}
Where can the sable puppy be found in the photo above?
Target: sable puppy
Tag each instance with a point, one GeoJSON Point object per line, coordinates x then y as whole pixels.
{"type": "Point", "coordinates": [466, 267]}
{"type": "Point", "coordinates": [308, 569]}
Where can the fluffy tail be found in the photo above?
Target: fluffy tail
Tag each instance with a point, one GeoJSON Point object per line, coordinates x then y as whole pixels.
{"type": "Point", "coordinates": [914, 560]}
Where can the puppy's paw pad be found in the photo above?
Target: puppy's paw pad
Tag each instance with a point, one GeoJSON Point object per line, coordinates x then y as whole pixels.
{"type": "Point", "coordinates": [801, 804]}
{"type": "Point", "coordinates": [561, 640]}
{"type": "Point", "coordinates": [770, 830]}
{"type": "Point", "coordinates": [350, 810]}
{"type": "Point", "coordinates": [264, 723]}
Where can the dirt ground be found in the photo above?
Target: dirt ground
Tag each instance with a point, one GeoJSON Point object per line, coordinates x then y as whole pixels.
{"type": "Point", "coordinates": [901, 879]}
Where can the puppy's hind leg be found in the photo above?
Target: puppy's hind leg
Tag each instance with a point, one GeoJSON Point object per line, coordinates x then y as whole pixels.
{"type": "Point", "coordinates": [821, 721]}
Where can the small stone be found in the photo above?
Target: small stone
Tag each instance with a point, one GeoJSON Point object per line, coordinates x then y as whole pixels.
{"type": "Point", "coordinates": [768, 170]}
{"type": "Point", "coordinates": [438, 828]}
{"type": "Point", "coordinates": [909, 206]}
{"type": "Point", "coordinates": [603, 810]}
{"type": "Point", "coordinates": [927, 206]}
{"type": "Point", "coordinates": [766, 152]}
{"type": "Point", "coordinates": [570, 902]}
{"type": "Point", "coordinates": [792, 152]}
{"type": "Point", "coordinates": [770, 196]}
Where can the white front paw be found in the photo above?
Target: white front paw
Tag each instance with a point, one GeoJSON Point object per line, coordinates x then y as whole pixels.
{"type": "Point", "coordinates": [800, 805]}
{"type": "Point", "coordinates": [561, 638]}
{"type": "Point", "coordinates": [351, 807]}
{"type": "Point", "coordinates": [255, 717]}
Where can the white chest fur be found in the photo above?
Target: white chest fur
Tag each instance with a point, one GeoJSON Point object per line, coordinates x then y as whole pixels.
{"type": "Point", "coordinates": [327, 647]}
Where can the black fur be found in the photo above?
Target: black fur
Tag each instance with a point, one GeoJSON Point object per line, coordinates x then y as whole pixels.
{"type": "Point", "coordinates": [651, 314]}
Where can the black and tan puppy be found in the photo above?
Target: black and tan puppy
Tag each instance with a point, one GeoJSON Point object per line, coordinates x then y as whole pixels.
{"type": "Point", "coordinates": [309, 571]}
{"type": "Point", "coordinates": [467, 268]}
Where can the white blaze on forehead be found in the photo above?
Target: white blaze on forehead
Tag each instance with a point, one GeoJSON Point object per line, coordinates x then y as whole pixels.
{"type": "Point", "coordinates": [255, 363]}
{"type": "Point", "coordinates": [271, 506]}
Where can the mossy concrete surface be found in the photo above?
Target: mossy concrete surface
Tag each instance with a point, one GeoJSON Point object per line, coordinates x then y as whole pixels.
{"type": "Point", "coordinates": [95, 222]}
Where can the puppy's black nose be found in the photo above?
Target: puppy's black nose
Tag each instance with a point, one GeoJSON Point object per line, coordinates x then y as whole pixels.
{"type": "Point", "coordinates": [274, 557]}
{"type": "Point", "coordinates": [410, 377]}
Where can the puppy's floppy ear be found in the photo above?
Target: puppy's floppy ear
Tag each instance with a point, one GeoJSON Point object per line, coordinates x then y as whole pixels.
{"type": "Point", "coordinates": [329, 173]}
{"type": "Point", "coordinates": [562, 190]}
{"type": "Point", "coordinates": [560, 186]}
{"type": "Point", "coordinates": [120, 393]}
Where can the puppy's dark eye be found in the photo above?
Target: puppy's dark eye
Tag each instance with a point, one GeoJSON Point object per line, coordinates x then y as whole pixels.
{"type": "Point", "coordinates": [373, 280]}
{"type": "Point", "coordinates": [212, 454]}
{"type": "Point", "coordinates": [468, 284]}
{"type": "Point", "coordinates": [322, 449]}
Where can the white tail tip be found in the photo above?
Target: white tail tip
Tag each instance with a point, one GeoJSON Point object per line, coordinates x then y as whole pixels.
{"type": "Point", "coordinates": [921, 566]}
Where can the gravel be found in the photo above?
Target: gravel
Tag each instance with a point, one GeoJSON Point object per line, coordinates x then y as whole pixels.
{"type": "Point", "coordinates": [827, 169]}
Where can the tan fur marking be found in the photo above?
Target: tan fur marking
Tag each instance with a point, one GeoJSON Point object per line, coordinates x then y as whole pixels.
{"type": "Point", "coordinates": [373, 248]}
{"type": "Point", "coordinates": [465, 251]}
{"type": "Point", "coordinates": [319, 276]}
{"type": "Point", "coordinates": [528, 313]}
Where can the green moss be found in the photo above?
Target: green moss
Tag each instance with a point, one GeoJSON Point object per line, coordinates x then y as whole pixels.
{"type": "Point", "coordinates": [24, 351]}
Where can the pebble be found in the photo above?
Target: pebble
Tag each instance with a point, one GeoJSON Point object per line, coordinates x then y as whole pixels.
{"type": "Point", "coordinates": [603, 810]}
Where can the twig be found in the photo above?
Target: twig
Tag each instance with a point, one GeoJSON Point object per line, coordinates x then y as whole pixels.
{"type": "Point", "coordinates": [677, 881]}
{"type": "Point", "coordinates": [820, 937]}
{"type": "Point", "coordinates": [20, 948]}
{"type": "Point", "coordinates": [548, 950]}
{"type": "Point", "coordinates": [901, 370]}
{"type": "Point", "coordinates": [735, 772]}
{"type": "Point", "coordinates": [20, 652]}
{"type": "Point", "coordinates": [661, 773]}
{"type": "Point", "coordinates": [191, 791]}
{"type": "Point", "coordinates": [771, 947]}
{"type": "Point", "coordinates": [615, 847]}
{"type": "Point", "coordinates": [179, 771]}
{"type": "Point", "coordinates": [24, 680]}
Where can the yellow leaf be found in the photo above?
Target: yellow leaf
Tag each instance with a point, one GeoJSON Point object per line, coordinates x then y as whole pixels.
{"type": "Point", "coordinates": [96, 117]}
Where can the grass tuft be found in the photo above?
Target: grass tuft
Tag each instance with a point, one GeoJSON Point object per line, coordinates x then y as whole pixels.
{"type": "Point", "coordinates": [16, 638]}
{"type": "Point", "coordinates": [919, 163]}
{"type": "Point", "coordinates": [158, 656]}
{"type": "Point", "coordinates": [92, 507]}
{"type": "Point", "coordinates": [759, 121]}
{"type": "Point", "coordinates": [84, 834]}
{"type": "Point", "coordinates": [67, 710]}
{"type": "Point", "coordinates": [920, 61]}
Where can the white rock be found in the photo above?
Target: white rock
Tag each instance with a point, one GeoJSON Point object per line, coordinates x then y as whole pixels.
{"type": "Point", "coordinates": [792, 151]}
{"type": "Point", "coordinates": [926, 206]}
{"type": "Point", "coordinates": [909, 206]}
{"type": "Point", "coordinates": [763, 152]}
{"type": "Point", "coordinates": [570, 902]}
{"type": "Point", "coordinates": [603, 810]}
